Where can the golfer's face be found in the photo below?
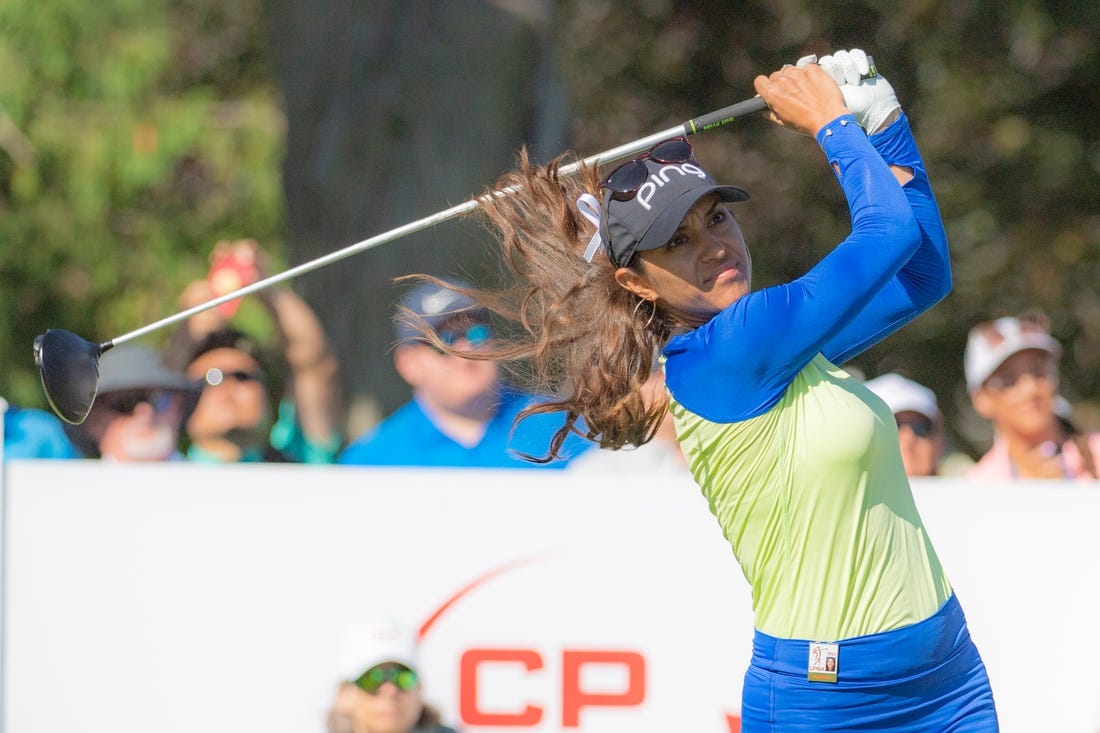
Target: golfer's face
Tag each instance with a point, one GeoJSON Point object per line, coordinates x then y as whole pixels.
{"type": "Point", "coordinates": [703, 268]}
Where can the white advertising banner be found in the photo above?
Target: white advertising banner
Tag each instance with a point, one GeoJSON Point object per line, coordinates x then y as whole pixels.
{"type": "Point", "coordinates": [178, 597]}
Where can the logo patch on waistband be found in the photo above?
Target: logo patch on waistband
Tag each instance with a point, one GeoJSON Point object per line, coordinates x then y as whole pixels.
{"type": "Point", "coordinates": [823, 663]}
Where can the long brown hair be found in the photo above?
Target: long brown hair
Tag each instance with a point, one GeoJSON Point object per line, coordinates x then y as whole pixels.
{"type": "Point", "coordinates": [580, 337]}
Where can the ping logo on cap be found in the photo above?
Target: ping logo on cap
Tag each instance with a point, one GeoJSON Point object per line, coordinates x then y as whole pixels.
{"type": "Point", "coordinates": [657, 180]}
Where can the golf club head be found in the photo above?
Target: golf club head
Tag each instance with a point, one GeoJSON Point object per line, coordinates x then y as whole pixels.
{"type": "Point", "coordinates": [69, 367]}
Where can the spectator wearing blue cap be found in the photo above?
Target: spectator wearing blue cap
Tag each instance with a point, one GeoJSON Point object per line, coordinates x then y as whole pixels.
{"type": "Point", "coordinates": [462, 410]}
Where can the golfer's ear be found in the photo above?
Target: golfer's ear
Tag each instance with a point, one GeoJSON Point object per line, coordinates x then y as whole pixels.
{"type": "Point", "coordinates": [635, 283]}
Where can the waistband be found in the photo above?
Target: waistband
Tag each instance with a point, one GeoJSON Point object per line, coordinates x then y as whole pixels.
{"type": "Point", "coordinates": [889, 655]}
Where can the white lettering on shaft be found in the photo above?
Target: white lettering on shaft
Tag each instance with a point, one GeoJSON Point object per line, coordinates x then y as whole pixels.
{"type": "Point", "coordinates": [660, 178]}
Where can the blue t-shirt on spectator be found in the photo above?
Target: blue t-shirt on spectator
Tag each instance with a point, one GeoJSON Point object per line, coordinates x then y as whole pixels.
{"type": "Point", "coordinates": [409, 438]}
{"type": "Point", "coordinates": [35, 434]}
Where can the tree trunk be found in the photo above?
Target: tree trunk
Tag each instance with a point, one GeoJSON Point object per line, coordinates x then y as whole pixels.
{"type": "Point", "coordinates": [397, 110]}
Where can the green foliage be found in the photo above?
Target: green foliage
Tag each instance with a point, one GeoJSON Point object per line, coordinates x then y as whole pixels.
{"type": "Point", "coordinates": [133, 135]}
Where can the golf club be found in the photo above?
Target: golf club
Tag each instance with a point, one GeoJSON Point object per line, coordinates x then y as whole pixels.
{"type": "Point", "coordinates": [69, 364]}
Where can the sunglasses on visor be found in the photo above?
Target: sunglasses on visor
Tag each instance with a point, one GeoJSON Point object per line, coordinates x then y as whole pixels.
{"type": "Point", "coordinates": [624, 181]}
{"type": "Point", "coordinates": [1030, 324]}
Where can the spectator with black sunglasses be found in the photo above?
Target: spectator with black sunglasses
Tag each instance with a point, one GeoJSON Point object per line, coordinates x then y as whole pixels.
{"type": "Point", "coordinates": [258, 405]}
{"type": "Point", "coordinates": [234, 414]}
{"type": "Point", "coordinates": [139, 409]}
{"type": "Point", "coordinates": [462, 410]}
{"type": "Point", "coordinates": [380, 690]}
{"type": "Point", "coordinates": [919, 421]}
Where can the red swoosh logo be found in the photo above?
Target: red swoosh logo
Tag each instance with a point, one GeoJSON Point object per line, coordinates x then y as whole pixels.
{"type": "Point", "coordinates": [470, 587]}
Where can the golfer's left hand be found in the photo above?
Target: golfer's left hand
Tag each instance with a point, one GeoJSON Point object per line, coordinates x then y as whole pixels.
{"type": "Point", "coordinates": [871, 100]}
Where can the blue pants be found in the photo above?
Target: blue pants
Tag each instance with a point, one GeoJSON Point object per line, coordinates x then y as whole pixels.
{"type": "Point", "coordinates": [923, 678]}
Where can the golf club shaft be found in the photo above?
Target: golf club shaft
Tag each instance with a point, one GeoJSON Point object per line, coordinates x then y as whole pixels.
{"type": "Point", "coordinates": [699, 124]}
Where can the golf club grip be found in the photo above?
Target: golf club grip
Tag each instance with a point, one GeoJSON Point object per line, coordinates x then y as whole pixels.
{"type": "Point", "coordinates": [726, 114]}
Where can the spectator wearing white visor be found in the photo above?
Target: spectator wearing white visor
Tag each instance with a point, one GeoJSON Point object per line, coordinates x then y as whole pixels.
{"type": "Point", "coordinates": [1011, 368]}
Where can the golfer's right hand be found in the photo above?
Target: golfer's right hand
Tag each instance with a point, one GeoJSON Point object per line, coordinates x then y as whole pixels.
{"type": "Point", "coordinates": [870, 99]}
{"type": "Point", "coordinates": [803, 98]}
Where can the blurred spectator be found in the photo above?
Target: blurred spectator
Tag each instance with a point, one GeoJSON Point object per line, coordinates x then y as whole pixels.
{"type": "Point", "coordinates": [1011, 369]}
{"type": "Point", "coordinates": [462, 410]}
{"type": "Point", "coordinates": [239, 418]}
{"type": "Point", "coordinates": [138, 410]}
{"type": "Point", "coordinates": [379, 685]}
{"type": "Point", "coordinates": [660, 454]}
{"type": "Point", "coordinates": [235, 420]}
{"type": "Point", "coordinates": [920, 422]}
{"type": "Point", "coordinates": [33, 434]}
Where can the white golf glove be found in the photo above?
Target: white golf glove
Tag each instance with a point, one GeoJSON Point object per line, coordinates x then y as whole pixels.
{"type": "Point", "coordinates": [871, 100]}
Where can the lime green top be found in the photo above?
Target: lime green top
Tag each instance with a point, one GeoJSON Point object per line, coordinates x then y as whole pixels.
{"type": "Point", "coordinates": [815, 503]}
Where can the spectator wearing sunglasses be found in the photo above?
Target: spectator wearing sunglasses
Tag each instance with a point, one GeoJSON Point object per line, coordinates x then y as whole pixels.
{"type": "Point", "coordinates": [259, 404]}
{"type": "Point", "coordinates": [462, 410]}
{"type": "Point", "coordinates": [798, 460]}
{"type": "Point", "coordinates": [1011, 367]}
{"type": "Point", "coordinates": [233, 421]}
{"type": "Point", "coordinates": [379, 684]}
{"type": "Point", "coordinates": [139, 409]}
{"type": "Point", "coordinates": [919, 421]}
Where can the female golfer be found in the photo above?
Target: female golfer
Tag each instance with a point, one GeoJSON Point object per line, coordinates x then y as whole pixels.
{"type": "Point", "coordinates": [798, 461]}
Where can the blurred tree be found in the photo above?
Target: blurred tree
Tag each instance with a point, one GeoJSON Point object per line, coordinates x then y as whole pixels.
{"type": "Point", "coordinates": [398, 109]}
{"type": "Point", "coordinates": [133, 134]}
